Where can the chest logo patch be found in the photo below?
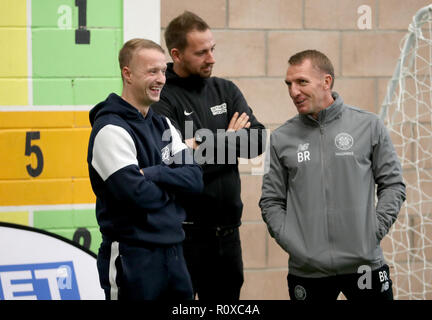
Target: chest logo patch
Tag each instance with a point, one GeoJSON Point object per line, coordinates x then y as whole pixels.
{"type": "Point", "coordinates": [165, 153]}
{"type": "Point", "coordinates": [303, 153]}
{"type": "Point", "coordinates": [222, 108]}
{"type": "Point", "coordinates": [344, 141]}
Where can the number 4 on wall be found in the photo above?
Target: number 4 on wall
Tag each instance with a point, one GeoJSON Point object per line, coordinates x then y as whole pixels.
{"type": "Point", "coordinates": [82, 35]}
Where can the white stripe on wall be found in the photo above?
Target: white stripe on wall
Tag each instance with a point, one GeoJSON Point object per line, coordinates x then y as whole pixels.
{"type": "Point", "coordinates": [46, 108]}
{"type": "Point", "coordinates": [83, 206]}
{"type": "Point", "coordinates": [141, 19]}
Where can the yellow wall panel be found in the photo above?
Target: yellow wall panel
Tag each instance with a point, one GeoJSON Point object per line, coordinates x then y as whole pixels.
{"type": "Point", "coordinates": [18, 217]}
{"type": "Point", "coordinates": [35, 192]}
{"type": "Point", "coordinates": [13, 61]}
{"type": "Point", "coordinates": [82, 191]}
{"type": "Point", "coordinates": [36, 119]}
{"type": "Point", "coordinates": [13, 162]}
{"type": "Point", "coordinates": [82, 119]}
{"type": "Point", "coordinates": [41, 119]}
{"type": "Point", "coordinates": [64, 153]}
{"type": "Point", "coordinates": [13, 92]}
{"type": "Point", "coordinates": [13, 53]}
{"type": "Point", "coordinates": [67, 152]}
{"type": "Point", "coordinates": [13, 13]}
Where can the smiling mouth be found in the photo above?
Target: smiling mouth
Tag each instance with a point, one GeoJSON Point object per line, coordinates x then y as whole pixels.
{"type": "Point", "coordinates": [155, 90]}
{"type": "Point", "coordinates": [299, 103]}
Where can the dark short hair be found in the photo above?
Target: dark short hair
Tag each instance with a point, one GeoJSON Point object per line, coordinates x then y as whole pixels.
{"type": "Point", "coordinates": [318, 59]}
{"type": "Point", "coordinates": [129, 48]}
{"type": "Point", "coordinates": [179, 27]}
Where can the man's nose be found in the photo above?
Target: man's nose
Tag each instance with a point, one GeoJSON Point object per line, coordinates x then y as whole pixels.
{"type": "Point", "coordinates": [210, 58]}
{"type": "Point", "coordinates": [161, 79]}
{"type": "Point", "coordinates": [293, 90]}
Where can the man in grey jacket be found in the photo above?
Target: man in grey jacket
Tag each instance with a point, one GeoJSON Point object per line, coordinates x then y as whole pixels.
{"type": "Point", "coordinates": [318, 198]}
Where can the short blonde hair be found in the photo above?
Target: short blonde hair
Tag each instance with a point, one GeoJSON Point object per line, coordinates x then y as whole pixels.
{"type": "Point", "coordinates": [131, 46]}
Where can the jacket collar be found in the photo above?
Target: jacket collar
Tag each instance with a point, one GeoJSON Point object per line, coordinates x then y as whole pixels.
{"type": "Point", "coordinates": [115, 104]}
{"type": "Point", "coordinates": [328, 114]}
{"type": "Point", "coordinates": [191, 82]}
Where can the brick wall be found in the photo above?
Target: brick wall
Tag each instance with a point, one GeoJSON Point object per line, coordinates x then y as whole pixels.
{"type": "Point", "coordinates": [254, 39]}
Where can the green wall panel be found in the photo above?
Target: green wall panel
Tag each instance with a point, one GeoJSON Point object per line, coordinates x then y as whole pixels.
{"type": "Point", "coordinates": [74, 91]}
{"type": "Point", "coordinates": [53, 219]}
{"type": "Point", "coordinates": [75, 73]}
{"type": "Point", "coordinates": [55, 13]}
{"type": "Point", "coordinates": [55, 54]}
{"type": "Point", "coordinates": [79, 225]}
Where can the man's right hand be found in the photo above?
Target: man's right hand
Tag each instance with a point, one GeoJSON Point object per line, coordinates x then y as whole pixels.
{"type": "Point", "coordinates": [237, 123]}
{"type": "Point", "coordinates": [191, 143]}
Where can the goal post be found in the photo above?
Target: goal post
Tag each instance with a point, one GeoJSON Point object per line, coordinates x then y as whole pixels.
{"type": "Point", "coordinates": [407, 113]}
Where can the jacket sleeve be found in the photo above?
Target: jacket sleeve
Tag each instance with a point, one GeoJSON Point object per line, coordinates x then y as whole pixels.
{"type": "Point", "coordinates": [391, 190]}
{"type": "Point", "coordinates": [185, 178]}
{"type": "Point", "coordinates": [255, 135]}
{"type": "Point", "coordinates": [274, 195]}
{"type": "Point", "coordinates": [114, 158]}
{"type": "Point", "coordinates": [182, 173]}
{"type": "Point", "coordinates": [244, 143]}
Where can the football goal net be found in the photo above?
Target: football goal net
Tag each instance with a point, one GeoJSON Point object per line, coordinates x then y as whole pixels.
{"type": "Point", "coordinates": [407, 112]}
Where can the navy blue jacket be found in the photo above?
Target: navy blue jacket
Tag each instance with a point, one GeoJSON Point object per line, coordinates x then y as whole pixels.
{"type": "Point", "coordinates": [138, 169]}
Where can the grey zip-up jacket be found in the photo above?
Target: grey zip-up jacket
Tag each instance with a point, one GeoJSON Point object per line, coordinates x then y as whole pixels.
{"type": "Point", "coordinates": [318, 197]}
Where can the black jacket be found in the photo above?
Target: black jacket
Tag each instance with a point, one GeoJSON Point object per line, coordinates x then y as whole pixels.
{"type": "Point", "coordinates": [204, 107]}
{"type": "Point", "coordinates": [133, 207]}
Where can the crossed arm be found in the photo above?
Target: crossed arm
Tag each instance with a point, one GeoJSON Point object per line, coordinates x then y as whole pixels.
{"type": "Point", "coordinates": [236, 123]}
{"type": "Point", "coordinates": [114, 158]}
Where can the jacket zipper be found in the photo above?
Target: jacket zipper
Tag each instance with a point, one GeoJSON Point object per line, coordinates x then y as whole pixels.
{"type": "Point", "coordinates": [321, 127]}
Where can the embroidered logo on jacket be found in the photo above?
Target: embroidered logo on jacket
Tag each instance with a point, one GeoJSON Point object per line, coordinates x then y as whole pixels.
{"type": "Point", "coordinates": [222, 108]}
{"type": "Point", "coordinates": [303, 153]}
{"type": "Point", "coordinates": [344, 141]}
{"type": "Point", "coordinates": [299, 292]}
{"type": "Point", "coordinates": [165, 153]}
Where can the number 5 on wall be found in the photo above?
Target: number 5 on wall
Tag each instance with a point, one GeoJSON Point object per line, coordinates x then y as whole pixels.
{"type": "Point", "coordinates": [29, 149]}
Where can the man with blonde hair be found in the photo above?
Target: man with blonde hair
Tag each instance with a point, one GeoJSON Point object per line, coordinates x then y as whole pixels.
{"type": "Point", "coordinates": [138, 168]}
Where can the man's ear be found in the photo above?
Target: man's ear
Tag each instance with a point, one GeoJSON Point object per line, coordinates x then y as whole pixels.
{"type": "Point", "coordinates": [126, 74]}
{"type": "Point", "coordinates": [328, 80]}
{"type": "Point", "coordinates": [175, 55]}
